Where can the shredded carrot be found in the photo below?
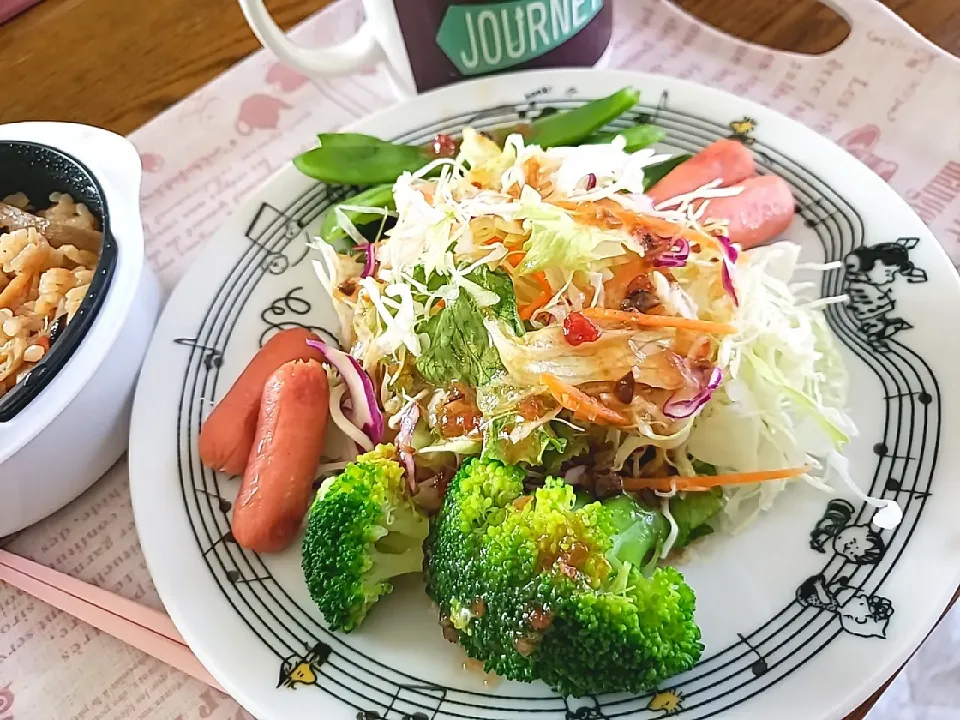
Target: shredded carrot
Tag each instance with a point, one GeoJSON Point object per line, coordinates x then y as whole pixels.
{"type": "Point", "coordinates": [582, 405]}
{"type": "Point", "coordinates": [526, 311]}
{"type": "Point", "coordinates": [427, 190]}
{"type": "Point", "coordinates": [531, 171]}
{"type": "Point", "coordinates": [541, 279]}
{"type": "Point", "coordinates": [707, 482]}
{"type": "Point", "coordinates": [622, 214]}
{"type": "Point", "coordinates": [665, 228]}
{"type": "Point", "coordinates": [616, 287]}
{"type": "Point", "coordinates": [546, 292]}
{"type": "Point", "coordinates": [607, 209]}
{"type": "Point", "coordinates": [642, 320]}
{"type": "Point", "coordinates": [519, 254]}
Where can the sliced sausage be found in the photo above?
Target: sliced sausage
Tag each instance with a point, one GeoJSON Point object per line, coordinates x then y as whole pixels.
{"type": "Point", "coordinates": [227, 435]}
{"type": "Point", "coordinates": [728, 160]}
{"type": "Point", "coordinates": [278, 482]}
{"type": "Point", "coordinates": [762, 212]}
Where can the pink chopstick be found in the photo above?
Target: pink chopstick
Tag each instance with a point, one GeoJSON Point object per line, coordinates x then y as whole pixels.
{"type": "Point", "coordinates": [12, 8]}
{"type": "Point", "coordinates": [141, 627]}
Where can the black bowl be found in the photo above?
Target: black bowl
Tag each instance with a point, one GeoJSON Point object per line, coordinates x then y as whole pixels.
{"type": "Point", "coordinates": [37, 171]}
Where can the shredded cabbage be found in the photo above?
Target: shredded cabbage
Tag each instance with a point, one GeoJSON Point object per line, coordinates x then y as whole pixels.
{"type": "Point", "coordinates": [782, 404]}
{"type": "Point", "coordinates": [491, 259]}
{"type": "Point", "coordinates": [557, 241]}
{"type": "Point", "coordinates": [614, 354]}
{"type": "Point", "coordinates": [614, 169]}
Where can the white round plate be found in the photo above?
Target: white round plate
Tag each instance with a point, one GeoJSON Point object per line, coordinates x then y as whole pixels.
{"type": "Point", "coordinates": [804, 615]}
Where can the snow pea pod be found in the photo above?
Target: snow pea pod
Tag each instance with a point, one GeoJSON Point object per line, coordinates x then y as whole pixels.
{"type": "Point", "coordinates": [379, 196]}
{"type": "Point", "coordinates": [357, 159]}
{"type": "Point", "coordinates": [343, 163]}
{"type": "Point", "coordinates": [638, 137]}
{"type": "Point", "coordinates": [572, 127]}
{"type": "Point", "coordinates": [329, 140]}
{"type": "Point", "coordinates": [652, 174]}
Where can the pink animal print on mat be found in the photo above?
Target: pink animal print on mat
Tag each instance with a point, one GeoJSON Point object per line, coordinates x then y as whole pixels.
{"type": "Point", "coordinates": [285, 79]}
{"type": "Point", "coordinates": [6, 703]}
{"type": "Point", "coordinates": [151, 162]}
{"type": "Point", "coordinates": [860, 144]}
{"type": "Point", "coordinates": [259, 112]}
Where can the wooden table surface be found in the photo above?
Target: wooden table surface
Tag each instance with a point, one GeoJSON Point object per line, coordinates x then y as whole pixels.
{"type": "Point", "coordinates": [118, 64]}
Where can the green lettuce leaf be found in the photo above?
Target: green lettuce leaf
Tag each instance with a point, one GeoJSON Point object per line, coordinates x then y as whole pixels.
{"type": "Point", "coordinates": [501, 283]}
{"type": "Point", "coordinates": [555, 240]}
{"type": "Point", "coordinates": [702, 468]}
{"type": "Point", "coordinates": [459, 347]}
{"type": "Point", "coordinates": [693, 512]}
{"type": "Point", "coordinates": [545, 447]}
{"type": "Point", "coordinates": [574, 444]}
{"type": "Point", "coordinates": [558, 241]}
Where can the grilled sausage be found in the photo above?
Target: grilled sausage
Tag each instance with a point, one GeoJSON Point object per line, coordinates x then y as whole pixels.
{"type": "Point", "coordinates": [227, 435]}
{"type": "Point", "coordinates": [278, 482]}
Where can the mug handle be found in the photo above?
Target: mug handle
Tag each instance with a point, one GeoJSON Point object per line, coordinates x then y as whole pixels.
{"type": "Point", "coordinates": [360, 51]}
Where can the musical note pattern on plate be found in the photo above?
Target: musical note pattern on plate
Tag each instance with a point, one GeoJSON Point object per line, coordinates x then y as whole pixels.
{"type": "Point", "coordinates": [211, 357]}
{"type": "Point", "coordinates": [421, 702]}
{"type": "Point", "coordinates": [818, 212]}
{"type": "Point", "coordinates": [895, 485]}
{"type": "Point", "coordinates": [532, 111]}
{"type": "Point", "coordinates": [883, 451]}
{"type": "Point", "coordinates": [760, 667]}
{"type": "Point", "coordinates": [268, 220]}
{"type": "Point", "coordinates": [223, 504]}
{"type": "Point", "coordinates": [855, 544]}
{"type": "Point", "coordinates": [742, 130]}
{"type": "Point", "coordinates": [237, 578]}
{"type": "Point", "coordinates": [859, 544]}
{"type": "Point", "coordinates": [653, 116]}
{"type": "Point", "coordinates": [291, 310]}
{"type": "Point", "coordinates": [226, 537]}
{"type": "Point", "coordinates": [860, 614]}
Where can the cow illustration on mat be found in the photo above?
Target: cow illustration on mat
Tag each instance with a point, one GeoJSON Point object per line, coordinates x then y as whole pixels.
{"type": "Point", "coordinates": [870, 274]}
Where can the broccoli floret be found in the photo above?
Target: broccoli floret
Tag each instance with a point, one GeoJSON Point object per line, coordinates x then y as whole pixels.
{"type": "Point", "coordinates": [545, 587]}
{"type": "Point", "coordinates": [362, 530]}
{"type": "Point", "coordinates": [642, 531]}
{"type": "Point", "coordinates": [639, 532]}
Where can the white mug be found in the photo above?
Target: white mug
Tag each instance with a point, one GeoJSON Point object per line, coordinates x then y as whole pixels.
{"type": "Point", "coordinates": [429, 43]}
